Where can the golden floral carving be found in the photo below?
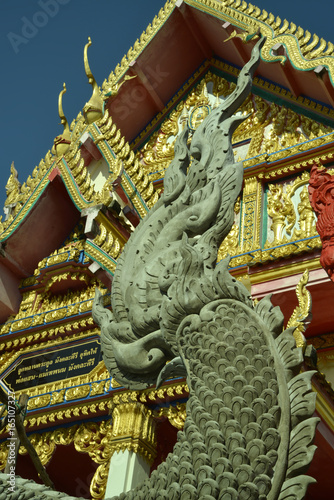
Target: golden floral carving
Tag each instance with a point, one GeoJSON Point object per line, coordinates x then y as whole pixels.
{"type": "Point", "coordinates": [57, 397]}
{"type": "Point", "coordinates": [230, 243]}
{"type": "Point", "coordinates": [3, 454]}
{"type": "Point", "coordinates": [175, 414]}
{"type": "Point", "coordinates": [45, 444]}
{"type": "Point", "coordinates": [97, 388]}
{"type": "Point", "coordinates": [94, 439]}
{"type": "Point", "coordinates": [27, 306]}
{"type": "Point", "coordinates": [99, 481]}
{"type": "Point", "coordinates": [39, 402]}
{"type": "Point", "coordinates": [77, 392]}
{"type": "Point", "coordinates": [21, 324]}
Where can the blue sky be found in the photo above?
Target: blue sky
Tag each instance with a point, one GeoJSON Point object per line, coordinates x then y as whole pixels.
{"type": "Point", "coordinates": [42, 45]}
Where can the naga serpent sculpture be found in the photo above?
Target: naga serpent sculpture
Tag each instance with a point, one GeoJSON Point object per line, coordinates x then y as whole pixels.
{"type": "Point", "coordinates": [321, 196]}
{"type": "Point", "coordinates": [249, 427]}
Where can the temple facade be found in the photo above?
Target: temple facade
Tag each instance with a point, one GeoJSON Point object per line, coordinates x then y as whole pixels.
{"type": "Point", "coordinates": [64, 229]}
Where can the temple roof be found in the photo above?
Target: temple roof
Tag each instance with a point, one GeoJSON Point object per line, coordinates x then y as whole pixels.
{"type": "Point", "coordinates": [187, 33]}
{"type": "Point", "coordinates": [184, 41]}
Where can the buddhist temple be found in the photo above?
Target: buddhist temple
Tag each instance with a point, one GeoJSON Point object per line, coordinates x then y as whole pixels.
{"type": "Point", "coordinates": [64, 229]}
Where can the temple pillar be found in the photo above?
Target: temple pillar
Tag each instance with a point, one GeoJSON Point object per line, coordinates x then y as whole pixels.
{"type": "Point", "coordinates": [134, 447]}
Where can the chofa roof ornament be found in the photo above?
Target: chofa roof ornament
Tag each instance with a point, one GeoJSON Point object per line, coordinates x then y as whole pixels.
{"type": "Point", "coordinates": [13, 187]}
{"type": "Point", "coordinates": [62, 142]}
{"type": "Point", "coordinates": [93, 109]}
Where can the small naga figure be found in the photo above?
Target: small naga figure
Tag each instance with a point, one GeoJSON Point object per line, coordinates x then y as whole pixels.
{"type": "Point", "coordinates": [249, 427]}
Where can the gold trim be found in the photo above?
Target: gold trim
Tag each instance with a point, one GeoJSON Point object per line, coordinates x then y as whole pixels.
{"type": "Point", "coordinates": [308, 159]}
{"type": "Point", "coordinates": [88, 437]}
{"type": "Point", "coordinates": [134, 430]}
{"type": "Point", "coordinates": [206, 70]}
{"type": "Point", "coordinates": [247, 18]}
{"type": "Point", "coordinates": [251, 19]}
{"type": "Point", "coordinates": [249, 214]}
{"type": "Point", "coordinates": [73, 186]}
{"type": "Point", "coordinates": [139, 45]}
{"type": "Point", "coordinates": [284, 271]}
{"type": "Point", "coordinates": [100, 256]}
{"type": "Point", "coordinates": [99, 387]}
{"type": "Point", "coordinates": [324, 409]}
{"type": "Point", "coordinates": [24, 208]}
{"type": "Point", "coordinates": [175, 414]}
{"type": "Point", "coordinates": [110, 137]}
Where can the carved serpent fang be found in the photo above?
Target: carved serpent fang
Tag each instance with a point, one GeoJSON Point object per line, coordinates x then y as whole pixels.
{"type": "Point", "coordinates": [249, 427]}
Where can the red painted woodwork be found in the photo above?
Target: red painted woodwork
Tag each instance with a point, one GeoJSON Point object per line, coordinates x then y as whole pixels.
{"type": "Point", "coordinates": [65, 458]}
{"type": "Point", "coordinates": [321, 193]}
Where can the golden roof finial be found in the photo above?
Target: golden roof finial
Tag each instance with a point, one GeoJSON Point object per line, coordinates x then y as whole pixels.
{"type": "Point", "coordinates": [60, 108]}
{"type": "Point", "coordinates": [62, 142]}
{"type": "Point", "coordinates": [88, 72]}
{"type": "Point", "coordinates": [93, 109]}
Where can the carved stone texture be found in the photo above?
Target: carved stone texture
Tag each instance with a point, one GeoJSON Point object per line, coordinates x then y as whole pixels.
{"type": "Point", "coordinates": [165, 271]}
{"type": "Point", "coordinates": [249, 430]}
{"type": "Point", "coordinates": [249, 427]}
{"type": "Point", "coordinates": [321, 193]}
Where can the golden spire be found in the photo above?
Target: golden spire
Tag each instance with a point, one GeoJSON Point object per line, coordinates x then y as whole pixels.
{"type": "Point", "coordinates": [62, 117]}
{"type": "Point", "coordinates": [93, 109]}
{"type": "Point", "coordinates": [62, 142]}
